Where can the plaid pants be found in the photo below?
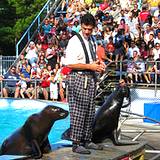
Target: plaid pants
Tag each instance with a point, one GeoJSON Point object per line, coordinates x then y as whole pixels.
{"type": "Point", "coordinates": [81, 106]}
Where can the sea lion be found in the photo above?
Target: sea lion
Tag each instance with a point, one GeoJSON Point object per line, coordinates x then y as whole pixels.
{"type": "Point", "coordinates": [32, 138]}
{"type": "Point", "coordinates": [107, 116]}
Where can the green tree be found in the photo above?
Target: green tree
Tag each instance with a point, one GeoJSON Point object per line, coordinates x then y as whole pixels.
{"type": "Point", "coordinates": [26, 10]}
{"type": "Point", "coordinates": [7, 22]}
{"type": "Point", "coordinates": [15, 17]}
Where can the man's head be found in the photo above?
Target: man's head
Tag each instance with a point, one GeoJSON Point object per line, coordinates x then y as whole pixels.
{"type": "Point", "coordinates": [88, 23]}
{"type": "Point", "coordinates": [13, 69]}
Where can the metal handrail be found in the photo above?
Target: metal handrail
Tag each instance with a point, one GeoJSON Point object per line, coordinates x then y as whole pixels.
{"type": "Point", "coordinates": [49, 6]}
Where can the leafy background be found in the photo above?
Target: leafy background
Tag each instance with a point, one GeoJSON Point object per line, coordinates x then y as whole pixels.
{"type": "Point", "coordinates": [15, 17]}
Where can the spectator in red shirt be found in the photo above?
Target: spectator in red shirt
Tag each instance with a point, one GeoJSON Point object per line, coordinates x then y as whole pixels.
{"type": "Point", "coordinates": [101, 53]}
{"type": "Point", "coordinates": [104, 5]}
{"type": "Point", "coordinates": [144, 16]}
{"type": "Point", "coordinates": [143, 50]}
{"type": "Point", "coordinates": [45, 83]}
{"type": "Point", "coordinates": [110, 48]}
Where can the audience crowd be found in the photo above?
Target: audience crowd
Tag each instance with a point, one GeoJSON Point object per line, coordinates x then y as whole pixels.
{"type": "Point", "coordinates": [127, 33]}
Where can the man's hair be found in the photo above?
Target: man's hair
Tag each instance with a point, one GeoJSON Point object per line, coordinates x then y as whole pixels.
{"type": "Point", "coordinates": [88, 19]}
{"type": "Point", "coordinates": [13, 67]}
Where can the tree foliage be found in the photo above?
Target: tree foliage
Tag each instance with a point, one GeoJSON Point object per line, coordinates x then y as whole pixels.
{"type": "Point", "coordinates": [17, 16]}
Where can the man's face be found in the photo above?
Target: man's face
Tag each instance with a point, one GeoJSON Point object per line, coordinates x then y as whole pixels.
{"type": "Point", "coordinates": [87, 30]}
{"type": "Point", "coordinates": [13, 70]}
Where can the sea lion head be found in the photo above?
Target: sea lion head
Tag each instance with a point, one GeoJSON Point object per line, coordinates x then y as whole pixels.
{"type": "Point", "coordinates": [54, 112]}
{"type": "Point", "coordinates": [124, 92]}
{"type": "Point", "coordinates": [123, 89]}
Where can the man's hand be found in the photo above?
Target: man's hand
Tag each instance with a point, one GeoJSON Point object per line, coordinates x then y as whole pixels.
{"type": "Point", "coordinates": [1, 78]}
{"type": "Point", "coordinates": [98, 66]}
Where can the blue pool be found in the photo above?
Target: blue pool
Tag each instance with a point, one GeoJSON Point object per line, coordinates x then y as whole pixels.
{"type": "Point", "coordinates": [14, 112]}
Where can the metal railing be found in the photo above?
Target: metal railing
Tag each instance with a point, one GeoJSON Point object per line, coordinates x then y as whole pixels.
{"type": "Point", "coordinates": [120, 73]}
{"type": "Point", "coordinates": [5, 63]}
{"type": "Point", "coordinates": [35, 82]}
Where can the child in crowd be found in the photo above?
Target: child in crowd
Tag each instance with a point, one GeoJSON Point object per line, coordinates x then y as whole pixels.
{"type": "Point", "coordinates": [31, 91]}
{"type": "Point", "coordinates": [53, 87]}
{"type": "Point", "coordinates": [23, 85]}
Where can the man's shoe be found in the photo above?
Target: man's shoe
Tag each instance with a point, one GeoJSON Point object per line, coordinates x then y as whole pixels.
{"type": "Point", "coordinates": [91, 145]}
{"type": "Point", "coordinates": [80, 150]}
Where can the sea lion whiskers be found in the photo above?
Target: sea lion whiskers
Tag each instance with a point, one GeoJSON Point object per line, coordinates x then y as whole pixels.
{"type": "Point", "coordinates": [55, 109]}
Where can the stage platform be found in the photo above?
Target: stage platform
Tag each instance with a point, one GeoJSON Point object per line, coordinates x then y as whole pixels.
{"type": "Point", "coordinates": [63, 151]}
{"type": "Point", "coordinates": [110, 152]}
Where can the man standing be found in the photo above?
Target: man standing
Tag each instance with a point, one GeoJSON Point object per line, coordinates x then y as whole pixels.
{"type": "Point", "coordinates": [81, 59]}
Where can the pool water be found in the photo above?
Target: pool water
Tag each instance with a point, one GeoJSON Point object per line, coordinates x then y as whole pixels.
{"type": "Point", "coordinates": [14, 113]}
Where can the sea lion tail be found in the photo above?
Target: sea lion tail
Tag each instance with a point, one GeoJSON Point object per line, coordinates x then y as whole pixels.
{"type": "Point", "coordinates": [66, 135]}
{"type": "Point", "coordinates": [2, 148]}
{"type": "Point", "coordinates": [0, 151]}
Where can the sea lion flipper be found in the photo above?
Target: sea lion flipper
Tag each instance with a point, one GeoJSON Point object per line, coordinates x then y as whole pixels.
{"type": "Point", "coordinates": [66, 135]}
{"type": "Point", "coordinates": [36, 150]}
{"type": "Point", "coordinates": [46, 147]}
{"type": "Point", "coordinates": [114, 137]}
{"type": "Point", "coordinates": [117, 142]}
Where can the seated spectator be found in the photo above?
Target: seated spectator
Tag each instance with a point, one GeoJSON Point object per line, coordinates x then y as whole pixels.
{"type": "Point", "coordinates": [134, 67]}
{"type": "Point", "coordinates": [156, 51]}
{"type": "Point", "coordinates": [122, 16]}
{"type": "Point", "coordinates": [23, 85]}
{"type": "Point", "coordinates": [158, 70]}
{"type": "Point", "coordinates": [150, 69]}
{"type": "Point", "coordinates": [93, 9]}
{"type": "Point", "coordinates": [153, 5]}
{"type": "Point", "coordinates": [144, 16]}
{"type": "Point", "coordinates": [108, 20]}
{"type": "Point", "coordinates": [143, 50]}
{"type": "Point", "coordinates": [102, 54]}
{"type": "Point", "coordinates": [49, 38]}
{"type": "Point", "coordinates": [157, 38]}
{"type": "Point", "coordinates": [110, 48]}
{"type": "Point", "coordinates": [46, 27]}
{"type": "Point", "coordinates": [31, 91]}
{"type": "Point", "coordinates": [51, 55]}
{"type": "Point", "coordinates": [63, 39]}
{"type": "Point", "coordinates": [45, 83]}
{"type": "Point", "coordinates": [103, 6]}
{"type": "Point", "coordinates": [39, 46]}
{"type": "Point", "coordinates": [155, 23]}
{"type": "Point", "coordinates": [41, 37]}
{"type": "Point", "coordinates": [147, 31]}
{"type": "Point", "coordinates": [135, 11]}
{"type": "Point", "coordinates": [131, 71]}
{"type": "Point", "coordinates": [44, 45]}
{"type": "Point", "coordinates": [21, 60]}
{"type": "Point", "coordinates": [150, 43]}
{"type": "Point", "coordinates": [10, 80]}
{"type": "Point", "coordinates": [32, 53]}
{"type": "Point", "coordinates": [51, 20]}
{"type": "Point", "coordinates": [119, 47]}
{"type": "Point", "coordinates": [132, 48]}
{"type": "Point", "coordinates": [140, 69]}
{"type": "Point", "coordinates": [76, 26]}
{"type": "Point", "coordinates": [134, 27]}
{"type": "Point", "coordinates": [124, 27]}
{"type": "Point", "coordinates": [25, 69]}
{"type": "Point", "coordinates": [106, 34]}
